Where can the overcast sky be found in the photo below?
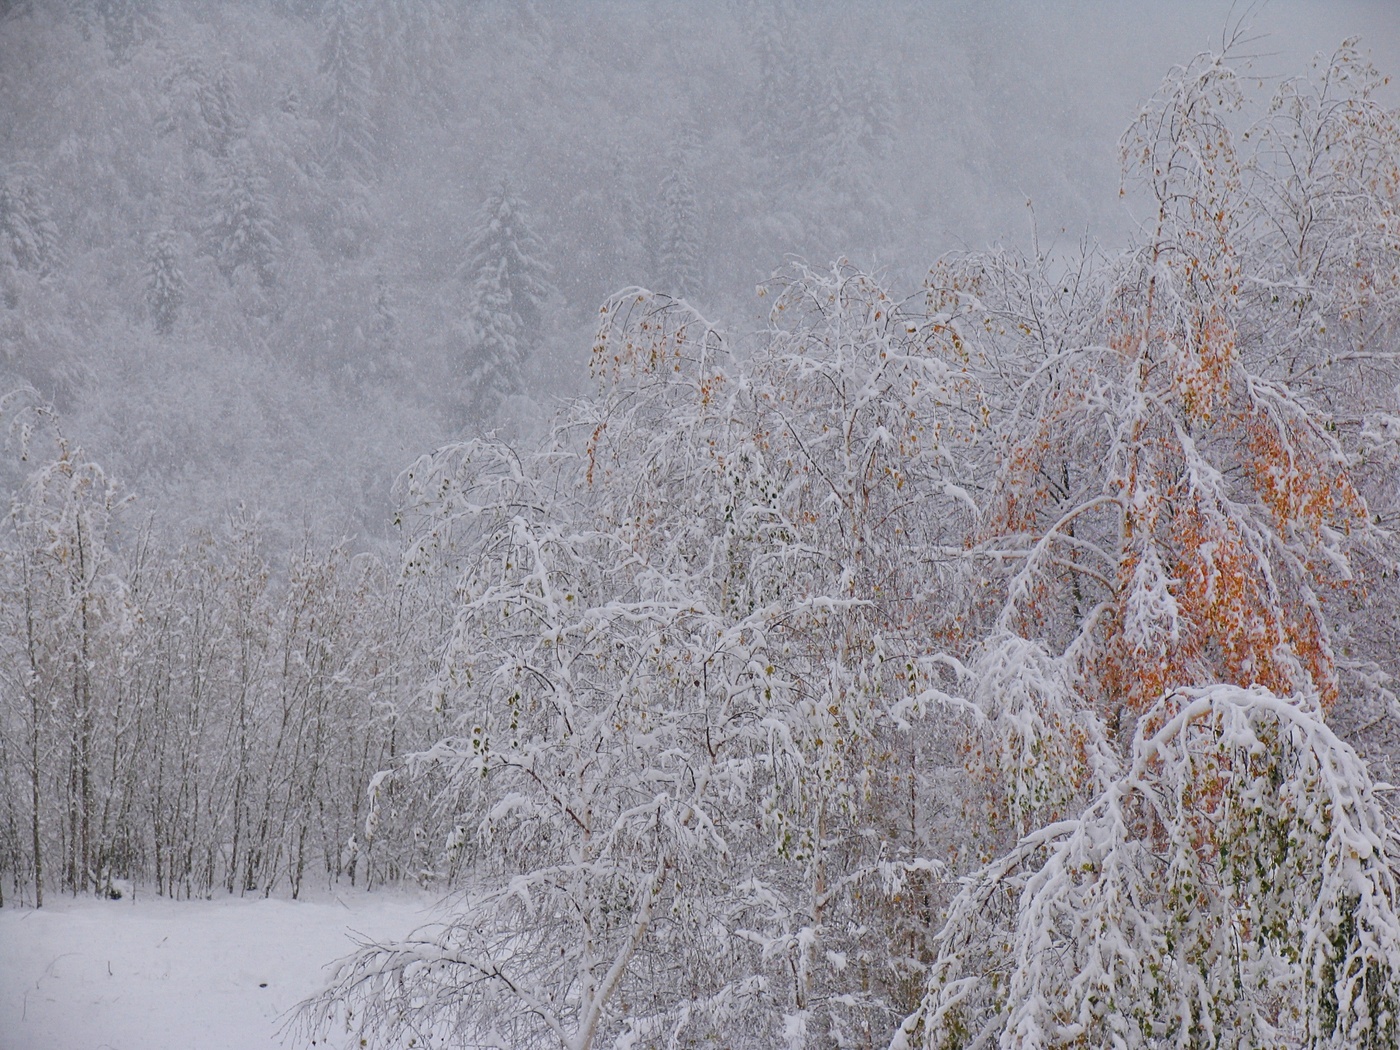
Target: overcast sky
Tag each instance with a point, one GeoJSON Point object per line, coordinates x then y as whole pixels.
{"type": "Point", "coordinates": [1077, 71]}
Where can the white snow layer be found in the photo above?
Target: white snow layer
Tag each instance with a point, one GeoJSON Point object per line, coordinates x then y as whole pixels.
{"type": "Point", "coordinates": [156, 974]}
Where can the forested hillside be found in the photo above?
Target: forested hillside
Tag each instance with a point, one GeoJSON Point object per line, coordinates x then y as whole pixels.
{"type": "Point", "coordinates": [241, 250]}
{"type": "Point", "coordinates": [245, 244]}
{"type": "Point", "coordinates": [1003, 656]}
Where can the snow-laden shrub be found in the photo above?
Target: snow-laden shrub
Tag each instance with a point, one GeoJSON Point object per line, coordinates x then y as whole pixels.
{"type": "Point", "coordinates": [1233, 887]}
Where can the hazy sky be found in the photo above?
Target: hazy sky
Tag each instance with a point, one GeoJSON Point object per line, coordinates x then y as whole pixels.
{"type": "Point", "coordinates": [1075, 73]}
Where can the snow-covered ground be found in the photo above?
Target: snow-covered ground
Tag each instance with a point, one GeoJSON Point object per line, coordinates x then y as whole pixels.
{"type": "Point", "coordinates": [154, 974]}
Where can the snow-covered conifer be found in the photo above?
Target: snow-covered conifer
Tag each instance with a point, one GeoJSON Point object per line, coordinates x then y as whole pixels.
{"type": "Point", "coordinates": [28, 235]}
{"type": "Point", "coordinates": [127, 24]}
{"type": "Point", "coordinates": [781, 78]}
{"type": "Point", "coordinates": [674, 228]}
{"type": "Point", "coordinates": [165, 281]}
{"type": "Point", "coordinates": [201, 105]}
{"type": "Point", "coordinates": [240, 233]}
{"type": "Point", "coordinates": [405, 43]}
{"type": "Point", "coordinates": [851, 132]}
{"type": "Point", "coordinates": [386, 319]}
{"type": "Point", "coordinates": [508, 285]}
{"type": "Point", "coordinates": [350, 128]}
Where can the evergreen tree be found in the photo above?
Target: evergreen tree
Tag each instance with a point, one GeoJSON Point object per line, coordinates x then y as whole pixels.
{"type": "Point", "coordinates": [494, 362]}
{"type": "Point", "coordinates": [201, 105]}
{"type": "Point", "coordinates": [874, 108]}
{"type": "Point", "coordinates": [127, 24]}
{"type": "Point", "coordinates": [165, 283]}
{"type": "Point", "coordinates": [850, 132]}
{"type": "Point", "coordinates": [386, 316]}
{"type": "Point", "coordinates": [780, 74]}
{"type": "Point", "coordinates": [84, 16]}
{"type": "Point", "coordinates": [404, 43]}
{"type": "Point", "coordinates": [350, 130]}
{"type": "Point", "coordinates": [383, 329]}
{"type": "Point", "coordinates": [675, 230]}
{"type": "Point", "coordinates": [620, 247]}
{"type": "Point", "coordinates": [509, 285]}
{"type": "Point", "coordinates": [240, 233]}
{"type": "Point", "coordinates": [28, 236]}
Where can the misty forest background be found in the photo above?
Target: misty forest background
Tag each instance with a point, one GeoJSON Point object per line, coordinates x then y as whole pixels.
{"type": "Point", "coordinates": [313, 177]}
{"type": "Point", "coordinates": [931, 544]}
{"type": "Point", "coordinates": [313, 180]}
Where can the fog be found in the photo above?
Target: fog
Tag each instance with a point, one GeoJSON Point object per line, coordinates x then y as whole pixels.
{"type": "Point", "coordinates": [237, 240]}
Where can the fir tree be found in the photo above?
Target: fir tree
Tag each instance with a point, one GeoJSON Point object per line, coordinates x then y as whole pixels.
{"type": "Point", "coordinates": [675, 231]}
{"type": "Point", "coordinates": [780, 75]}
{"type": "Point", "coordinates": [220, 110]}
{"type": "Point", "coordinates": [624, 223]}
{"type": "Point", "coordinates": [849, 130]}
{"type": "Point", "coordinates": [874, 109]}
{"type": "Point", "coordinates": [509, 285]}
{"type": "Point", "coordinates": [384, 328]}
{"type": "Point", "coordinates": [240, 233]}
{"type": "Point", "coordinates": [494, 362]}
{"type": "Point", "coordinates": [127, 24]}
{"type": "Point", "coordinates": [28, 236]}
{"type": "Point", "coordinates": [405, 41]}
{"type": "Point", "coordinates": [165, 283]}
{"type": "Point", "coordinates": [350, 130]}
{"type": "Point", "coordinates": [202, 105]}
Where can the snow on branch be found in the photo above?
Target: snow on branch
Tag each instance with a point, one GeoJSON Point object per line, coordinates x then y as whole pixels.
{"type": "Point", "coordinates": [1234, 885]}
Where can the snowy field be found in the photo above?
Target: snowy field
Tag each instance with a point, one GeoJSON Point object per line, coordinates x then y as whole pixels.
{"type": "Point", "coordinates": [155, 974]}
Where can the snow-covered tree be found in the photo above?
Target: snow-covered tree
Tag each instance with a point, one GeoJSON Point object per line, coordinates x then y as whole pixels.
{"type": "Point", "coordinates": [1176, 515]}
{"type": "Point", "coordinates": [406, 43]}
{"type": "Point", "coordinates": [127, 24]}
{"type": "Point", "coordinates": [583, 808]}
{"type": "Point", "coordinates": [673, 229]}
{"type": "Point", "coordinates": [665, 694]}
{"type": "Point", "coordinates": [781, 76]}
{"type": "Point", "coordinates": [350, 139]}
{"type": "Point", "coordinates": [384, 329]}
{"type": "Point", "coordinates": [1197, 858]}
{"type": "Point", "coordinates": [29, 242]}
{"type": "Point", "coordinates": [994, 659]}
{"type": "Point", "coordinates": [851, 132]}
{"type": "Point", "coordinates": [165, 282]}
{"type": "Point", "coordinates": [1233, 886]}
{"type": "Point", "coordinates": [201, 106]}
{"type": "Point", "coordinates": [240, 233]}
{"type": "Point", "coordinates": [1068, 494]}
{"type": "Point", "coordinates": [508, 285]}
{"type": "Point", "coordinates": [66, 618]}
